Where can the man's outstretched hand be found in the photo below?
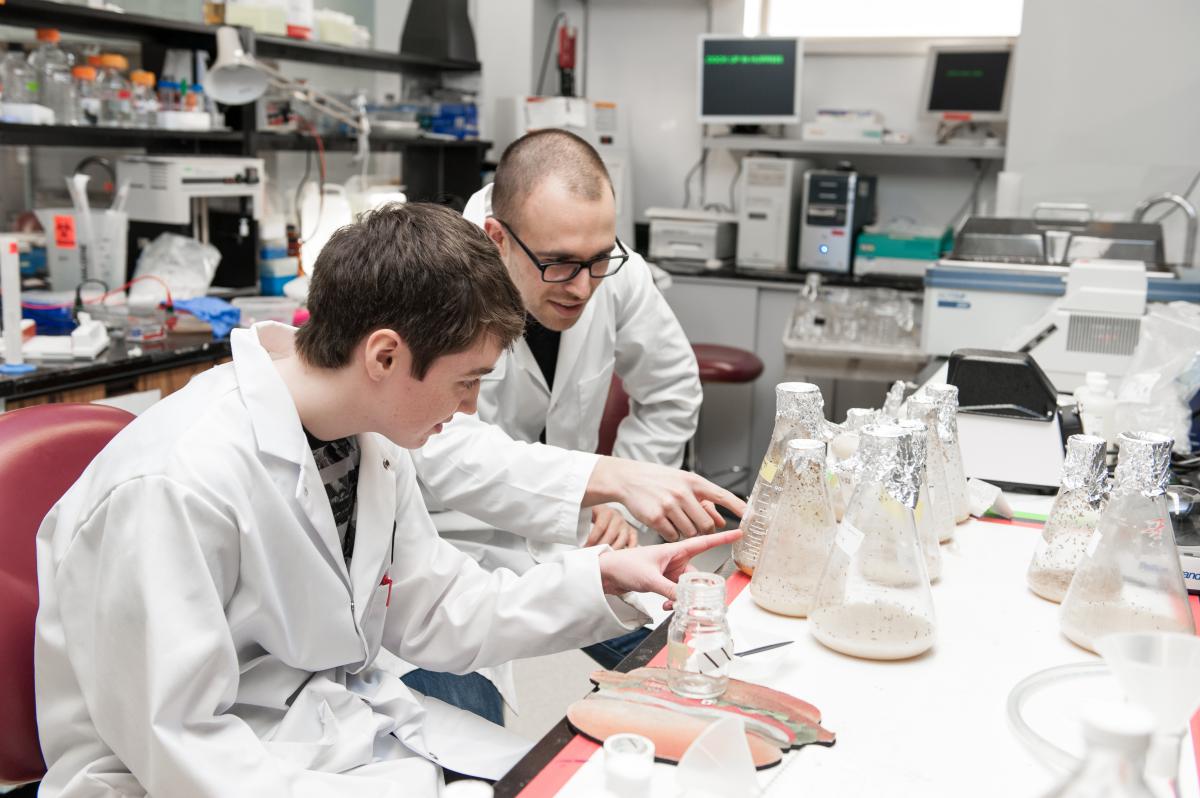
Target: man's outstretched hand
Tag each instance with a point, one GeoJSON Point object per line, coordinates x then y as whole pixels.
{"type": "Point", "coordinates": [656, 569]}
{"type": "Point", "coordinates": [676, 504]}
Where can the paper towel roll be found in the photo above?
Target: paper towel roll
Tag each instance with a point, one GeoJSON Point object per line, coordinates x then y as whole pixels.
{"type": "Point", "coordinates": [1008, 194]}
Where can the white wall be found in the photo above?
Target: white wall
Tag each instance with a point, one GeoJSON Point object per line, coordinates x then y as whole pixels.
{"type": "Point", "coordinates": [1106, 104]}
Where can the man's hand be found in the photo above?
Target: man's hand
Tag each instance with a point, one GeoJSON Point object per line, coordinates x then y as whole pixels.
{"type": "Point", "coordinates": [655, 569]}
{"type": "Point", "coordinates": [609, 526]}
{"type": "Point", "coordinates": [675, 504]}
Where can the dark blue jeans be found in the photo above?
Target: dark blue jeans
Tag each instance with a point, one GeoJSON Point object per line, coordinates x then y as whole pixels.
{"type": "Point", "coordinates": [610, 652]}
{"type": "Point", "coordinates": [472, 692]}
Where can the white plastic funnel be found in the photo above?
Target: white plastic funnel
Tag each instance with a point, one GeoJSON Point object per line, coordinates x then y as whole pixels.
{"type": "Point", "coordinates": [719, 763]}
{"type": "Point", "coordinates": [1161, 672]}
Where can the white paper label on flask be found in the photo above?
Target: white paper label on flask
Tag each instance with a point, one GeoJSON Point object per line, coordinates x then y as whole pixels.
{"type": "Point", "coordinates": [1093, 543]}
{"type": "Point", "coordinates": [849, 538]}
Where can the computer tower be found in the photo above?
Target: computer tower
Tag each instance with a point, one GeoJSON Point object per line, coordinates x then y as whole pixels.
{"type": "Point", "coordinates": [768, 213]}
{"type": "Point", "coordinates": [837, 205]}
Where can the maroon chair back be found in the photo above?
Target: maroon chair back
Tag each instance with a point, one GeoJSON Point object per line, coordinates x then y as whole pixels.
{"type": "Point", "coordinates": [616, 407]}
{"type": "Point", "coordinates": [43, 450]}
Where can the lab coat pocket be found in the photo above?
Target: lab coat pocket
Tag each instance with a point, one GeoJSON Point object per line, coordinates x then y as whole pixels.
{"type": "Point", "coordinates": [592, 399]}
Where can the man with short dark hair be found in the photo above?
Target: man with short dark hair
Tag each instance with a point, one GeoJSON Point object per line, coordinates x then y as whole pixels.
{"type": "Point", "coordinates": [225, 591]}
{"type": "Point", "coordinates": [593, 312]}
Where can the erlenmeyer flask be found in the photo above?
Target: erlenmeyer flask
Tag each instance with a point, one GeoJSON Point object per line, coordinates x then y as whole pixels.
{"type": "Point", "coordinates": [941, 499]}
{"type": "Point", "coordinates": [873, 598]}
{"type": "Point", "coordinates": [800, 536]}
{"type": "Point", "coordinates": [927, 532]}
{"type": "Point", "coordinates": [799, 413]}
{"type": "Point", "coordinates": [946, 398]}
{"type": "Point", "coordinates": [843, 449]}
{"type": "Point", "coordinates": [1129, 579]}
{"type": "Point", "coordinates": [1072, 520]}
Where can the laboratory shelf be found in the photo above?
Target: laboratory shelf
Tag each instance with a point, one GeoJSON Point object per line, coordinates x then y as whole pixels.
{"type": "Point", "coordinates": [193, 35]}
{"type": "Point", "coordinates": [801, 147]}
{"type": "Point", "coordinates": [264, 142]}
{"type": "Point", "coordinates": [148, 138]}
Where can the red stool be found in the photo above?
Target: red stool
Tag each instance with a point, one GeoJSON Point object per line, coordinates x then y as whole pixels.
{"type": "Point", "coordinates": [726, 365]}
{"type": "Point", "coordinates": [43, 450]}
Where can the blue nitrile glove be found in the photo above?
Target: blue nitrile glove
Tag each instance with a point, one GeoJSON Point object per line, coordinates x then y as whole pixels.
{"type": "Point", "coordinates": [220, 314]}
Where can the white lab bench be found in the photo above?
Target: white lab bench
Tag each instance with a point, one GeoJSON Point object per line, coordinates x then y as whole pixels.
{"type": "Point", "coordinates": [753, 314]}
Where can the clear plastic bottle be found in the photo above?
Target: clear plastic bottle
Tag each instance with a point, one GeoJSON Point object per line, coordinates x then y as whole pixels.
{"type": "Point", "coordinates": [52, 65]}
{"type": "Point", "coordinates": [699, 646]}
{"type": "Point", "coordinates": [873, 599]}
{"type": "Point", "coordinates": [145, 101]}
{"type": "Point", "coordinates": [946, 397]}
{"type": "Point", "coordinates": [87, 95]}
{"type": "Point", "coordinates": [116, 94]}
{"type": "Point", "coordinates": [1117, 736]}
{"type": "Point", "coordinates": [801, 534]}
{"type": "Point", "coordinates": [1129, 579]}
{"type": "Point", "coordinates": [927, 531]}
{"type": "Point", "coordinates": [19, 80]}
{"type": "Point", "coordinates": [941, 500]}
{"type": "Point", "coordinates": [799, 413]}
{"type": "Point", "coordinates": [1073, 518]}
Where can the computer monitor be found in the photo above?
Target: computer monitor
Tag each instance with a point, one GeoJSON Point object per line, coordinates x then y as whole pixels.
{"type": "Point", "coordinates": [968, 84]}
{"type": "Point", "coordinates": [749, 80]}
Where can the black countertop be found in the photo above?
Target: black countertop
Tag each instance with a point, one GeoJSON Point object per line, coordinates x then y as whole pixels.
{"type": "Point", "coordinates": [120, 361]}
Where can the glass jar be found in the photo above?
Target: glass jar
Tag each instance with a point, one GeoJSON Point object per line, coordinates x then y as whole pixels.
{"type": "Point", "coordinates": [946, 397]}
{"type": "Point", "coordinates": [1073, 518]}
{"type": "Point", "coordinates": [799, 413]}
{"type": "Point", "coordinates": [87, 95]}
{"type": "Point", "coordinates": [116, 95]}
{"type": "Point", "coordinates": [699, 645]}
{"type": "Point", "coordinates": [1130, 579]}
{"type": "Point", "coordinates": [800, 536]}
{"type": "Point", "coordinates": [873, 599]}
{"type": "Point", "coordinates": [941, 500]}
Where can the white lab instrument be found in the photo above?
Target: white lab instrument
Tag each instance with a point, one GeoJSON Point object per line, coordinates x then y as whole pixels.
{"type": "Point", "coordinates": [768, 213]}
{"type": "Point", "coordinates": [600, 123]}
{"type": "Point", "coordinates": [10, 284]}
{"type": "Point", "coordinates": [700, 239]}
{"type": "Point", "coordinates": [837, 204]}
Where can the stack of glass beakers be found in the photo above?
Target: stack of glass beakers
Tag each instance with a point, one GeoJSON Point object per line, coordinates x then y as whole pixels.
{"type": "Point", "coordinates": [923, 519]}
{"type": "Point", "coordinates": [799, 413]}
{"type": "Point", "coordinates": [922, 408]}
{"type": "Point", "coordinates": [1072, 520]}
{"type": "Point", "coordinates": [800, 535]}
{"type": "Point", "coordinates": [1129, 579]}
{"type": "Point", "coordinates": [946, 398]}
{"type": "Point", "coordinates": [873, 599]}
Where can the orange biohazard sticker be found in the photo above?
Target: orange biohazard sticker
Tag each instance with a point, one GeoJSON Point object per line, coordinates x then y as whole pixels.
{"type": "Point", "coordinates": [64, 232]}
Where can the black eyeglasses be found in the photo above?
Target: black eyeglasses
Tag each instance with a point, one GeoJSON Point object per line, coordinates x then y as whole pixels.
{"type": "Point", "coordinates": [564, 271]}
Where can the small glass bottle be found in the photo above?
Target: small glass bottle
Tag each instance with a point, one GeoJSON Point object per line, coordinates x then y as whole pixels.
{"type": "Point", "coordinates": [923, 518]}
{"type": "Point", "coordinates": [1130, 579]}
{"type": "Point", "coordinates": [116, 96]}
{"type": "Point", "coordinates": [1117, 736]}
{"type": "Point", "coordinates": [145, 102]}
{"type": "Point", "coordinates": [799, 413]}
{"type": "Point", "coordinates": [801, 534]}
{"type": "Point", "coordinates": [19, 80]}
{"type": "Point", "coordinates": [946, 397]}
{"type": "Point", "coordinates": [699, 646]}
{"type": "Point", "coordinates": [1073, 518]}
{"type": "Point", "coordinates": [941, 500]}
{"type": "Point", "coordinates": [873, 599]}
{"type": "Point", "coordinates": [87, 95]}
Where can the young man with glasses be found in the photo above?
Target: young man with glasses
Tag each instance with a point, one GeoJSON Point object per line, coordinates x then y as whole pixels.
{"type": "Point", "coordinates": [592, 312]}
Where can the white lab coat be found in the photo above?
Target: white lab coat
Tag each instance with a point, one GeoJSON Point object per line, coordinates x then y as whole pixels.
{"type": "Point", "coordinates": [472, 469]}
{"type": "Point", "coordinates": [199, 634]}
